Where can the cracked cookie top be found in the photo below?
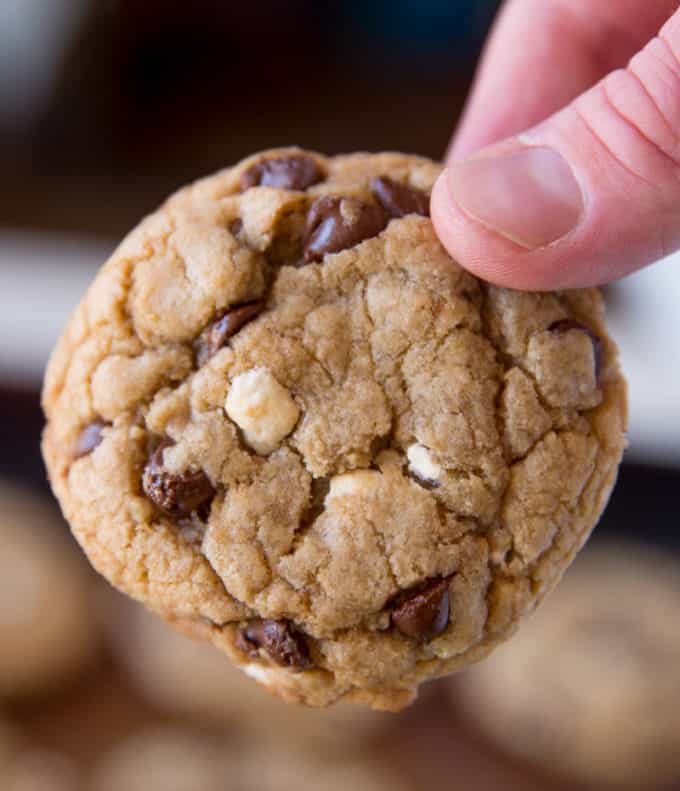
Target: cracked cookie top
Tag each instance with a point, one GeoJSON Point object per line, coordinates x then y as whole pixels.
{"type": "Point", "coordinates": [285, 419]}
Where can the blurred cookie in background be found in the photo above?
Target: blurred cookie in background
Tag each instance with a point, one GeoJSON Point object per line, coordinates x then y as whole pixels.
{"type": "Point", "coordinates": [43, 770]}
{"type": "Point", "coordinates": [47, 623]}
{"type": "Point", "coordinates": [282, 770]}
{"type": "Point", "coordinates": [179, 675]}
{"type": "Point", "coordinates": [165, 759]}
{"type": "Point", "coordinates": [7, 745]}
{"type": "Point", "coordinates": [590, 688]}
{"type": "Point", "coordinates": [180, 759]}
{"type": "Point", "coordinates": [27, 768]}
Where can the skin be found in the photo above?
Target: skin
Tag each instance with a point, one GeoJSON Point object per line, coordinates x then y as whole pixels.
{"type": "Point", "coordinates": [598, 82]}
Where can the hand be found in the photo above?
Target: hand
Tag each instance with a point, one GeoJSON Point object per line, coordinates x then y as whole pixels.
{"type": "Point", "coordinates": [583, 187]}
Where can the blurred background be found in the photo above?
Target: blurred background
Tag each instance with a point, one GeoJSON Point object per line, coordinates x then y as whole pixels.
{"type": "Point", "coordinates": [106, 106]}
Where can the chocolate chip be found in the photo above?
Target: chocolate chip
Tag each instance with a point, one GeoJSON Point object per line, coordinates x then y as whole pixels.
{"type": "Point", "coordinates": [424, 482]}
{"type": "Point", "coordinates": [175, 494]}
{"type": "Point", "coordinates": [227, 324]}
{"type": "Point", "coordinates": [398, 200]}
{"type": "Point", "coordinates": [236, 226]}
{"type": "Point", "coordinates": [566, 325]}
{"type": "Point", "coordinates": [335, 224]}
{"type": "Point", "coordinates": [89, 438]}
{"type": "Point", "coordinates": [281, 641]}
{"type": "Point", "coordinates": [296, 172]}
{"type": "Point", "coordinates": [244, 644]}
{"type": "Point", "coordinates": [423, 613]}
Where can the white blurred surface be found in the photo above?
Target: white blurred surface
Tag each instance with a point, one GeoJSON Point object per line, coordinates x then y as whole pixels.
{"type": "Point", "coordinates": [644, 318]}
{"type": "Point", "coordinates": [34, 35]}
{"type": "Point", "coordinates": [44, 276]}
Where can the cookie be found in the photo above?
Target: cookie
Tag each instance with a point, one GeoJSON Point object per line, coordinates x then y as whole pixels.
{"type": "Point", "coordinates": [181, 676]}
{"type": "Point", "coordinates": [7, 745]}
{"type": "Point", "coordinates": [590, 687]}
{"type": "Point", "coordinates": [173, 759]}
{"type": "Point", "coordinates": [283, 418]}
{"type": "Point", "coordinates": [166, 759]}
{"type": "Point", "coordinates": [47, 632]}
{"type": "Point", "coordinates": [43, 770]}
{"type": "Point", "coordinates": [282, 770]}
{"type": "Point", "coordinates": [25, 768]}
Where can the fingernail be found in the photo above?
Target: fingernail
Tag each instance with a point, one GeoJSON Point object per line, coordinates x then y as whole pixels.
{"type": "Point", "coordinates": [530, 196]}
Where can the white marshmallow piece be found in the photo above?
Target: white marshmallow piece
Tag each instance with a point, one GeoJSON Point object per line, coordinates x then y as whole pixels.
{"type": "Point", "coordinates": [262, 408]}
{"type": "Point", "coordinates": [358, 483]}
{"type": "Point", "coordinates": [421, 463]}
{"type": "Point", "coordinates": [264, 675]}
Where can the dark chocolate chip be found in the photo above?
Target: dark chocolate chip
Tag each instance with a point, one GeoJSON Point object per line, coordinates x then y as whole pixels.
{"type": "Point", "coordinates": [423, 613]}
{"type": "Point", "coordinates": [279, 639]}
{"type": "Point", "coordinates": [175, 495]}
{"type": "Point", "coordinates": [295, 172]}
{"type": "Point", "coordinates": [226, 325]}
{"type": "Point", "coordinates": [398, 200]}
{"type": "Point", "coordinates": [89, 438]}
{"type": "Point", "coordinates": [565, 325]}
{"type": "Point", "coordinates": [245, 645]}
{"type": "Point", "coordinates": [425, 482]}
{"type": "Point", "coordinates": [236, 226]}
{"type": "Point", "coordinates": [335, 224]}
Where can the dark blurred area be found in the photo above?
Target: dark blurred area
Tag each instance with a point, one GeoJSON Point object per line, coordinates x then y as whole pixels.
{"type": "Point", "coordinates": [106, 106]}
{"type": "Point", "coordinates": [136, 98]}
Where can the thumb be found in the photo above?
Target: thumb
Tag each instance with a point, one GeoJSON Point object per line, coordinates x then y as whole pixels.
{"type": "Point", "coordinates": [587, 196]}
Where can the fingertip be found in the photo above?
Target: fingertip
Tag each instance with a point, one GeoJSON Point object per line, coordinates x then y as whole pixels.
{"type": "Point", "coordinates": [469, 244]}
{"type": "Point", "coordinates": [516, 216]}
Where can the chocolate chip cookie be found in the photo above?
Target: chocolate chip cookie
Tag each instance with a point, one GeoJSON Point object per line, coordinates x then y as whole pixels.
{"type": "Point", "coordinates": [590, 687]}
{"type": "Point", "coordinates": [284, 419]}
{"type": "Point", "coordinates": [47, 630]}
